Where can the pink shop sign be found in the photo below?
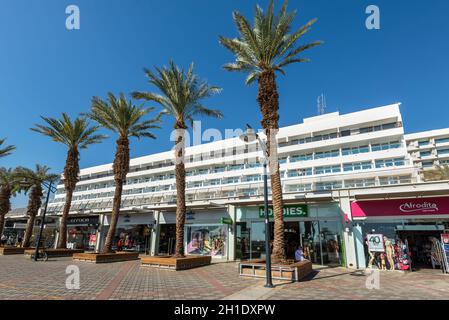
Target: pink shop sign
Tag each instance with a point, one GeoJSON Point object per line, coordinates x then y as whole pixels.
{"type": "Point", "coordinates": [400, 207]}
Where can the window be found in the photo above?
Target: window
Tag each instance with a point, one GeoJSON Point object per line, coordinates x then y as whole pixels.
{"type": "Point", "coordinates": [386, 146]}
{"type": "Point", "coordinates": [354, 150]}
{"type": "Point", "coordinates": [395, 180]}
{"type": "Point", "coordinates": [218, 169]}
{"type": "Point", "coordinates": [321, 186]}
{"type": "Point", "coordinates": [301, 157]}
{"type": "Point", "coordinates": [299, 172]}
{"type": "Point", "coordinates": [443, 152]}
{"type": "Point", "coordinates": [231, 180]}
{"type": "Point", "coordinates": [390, 163]}
{"type": "Point", "coordinates": [236, 167]}
{"type": "Point", "coordinates": [327, 154]}
{"type": "Point", "coordinates": [442, 140]}
{"type": "Point", "coordinates": [327, 169]}
{"type": "Point", "coordinates": [254, 177]}
{"type": "Point", "coordinates": [423, 143]}
{"type": "Point", "coordinates": [299, 187]}
{"type": "Point", "coordinates": [357, 166]}
{"type": "Point", "coordinates": [360, 183]}
{"type": "Point", "coordinates": [282, 160]}
{"type": "Point", "coordinates": [425, 153]}
{"type": "Point", "coordinates": [252, 165]}
{"type": "Point", "coordinates": [427, 164]}
{"type": "Point", "coordinates": [195, 184]}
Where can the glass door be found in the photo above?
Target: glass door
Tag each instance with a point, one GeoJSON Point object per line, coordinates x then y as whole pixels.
{"type": "Point", "coordinates": [310, 241]}
{"type": "Point", "coordinates": [331, 242]}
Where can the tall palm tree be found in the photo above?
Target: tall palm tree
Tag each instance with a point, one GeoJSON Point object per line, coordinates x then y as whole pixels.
{"type": "Point", "coordinates": [9, 186]}
{"type": "Point", "coordinates": [260, 51]}
{"type": "Point", "coordinates": [124, 118]}
{"type": "Point", "coordinates": [440, 172]}
{"type": "Point", "coordinates": [181, 95]}
{"type": "Point", "coordinates": [74, 135]}
{"type": "Point", "coordinates": [31, 184]}
{"type": "Point", "coordinates": [7, 150]}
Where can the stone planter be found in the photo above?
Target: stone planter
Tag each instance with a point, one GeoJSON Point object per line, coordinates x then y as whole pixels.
{"type": "Point", "coordinates": [172, 263]}
{"type": "Point", "coordinates": [55, 253]}
{"type": "Point", "coordinates": [290, 272]}
{"type": "Point", "coordinates": [106, 257]}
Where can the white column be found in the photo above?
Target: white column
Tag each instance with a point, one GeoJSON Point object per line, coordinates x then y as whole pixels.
{"type": "Point", "coordinates": [231, 234]}
{"type": "Point", "coordinates": [348, 235]}
{"type": "Point", "coordinates": [155, 235]}
{"type": "Point", "coordinates": [101, 219]}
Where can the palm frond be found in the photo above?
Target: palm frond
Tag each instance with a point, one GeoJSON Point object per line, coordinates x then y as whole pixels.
{"type": "Point", "coordinates": [267, 44]}
{"type": "Point", "coordinates": [180, 94]}
{"type": "Point", "coordinates": [6, 150]}
{"type": "Point", "coordinates": [122, 116]}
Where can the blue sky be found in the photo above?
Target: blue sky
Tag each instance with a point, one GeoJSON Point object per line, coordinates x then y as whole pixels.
{"type": "Point", "coordinates": [46, 69]}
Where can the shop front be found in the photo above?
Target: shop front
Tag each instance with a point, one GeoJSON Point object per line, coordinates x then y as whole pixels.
{"type": "Point", "coordinates": [206, 232]}
{"type": "Point", "coordinates": [14, 230]}
{"type": "Point", "coordinates": [400, 234]}
{"type": "Point", "coordinates": [133, 232]}
{"type": "Point", "coordinates": [316, 228]}
{"type": "Point", "coordinates": [82, 232]}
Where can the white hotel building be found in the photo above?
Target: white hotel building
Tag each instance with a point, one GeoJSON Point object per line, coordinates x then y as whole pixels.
{"type": "Point", "coordinates": [327, 163]}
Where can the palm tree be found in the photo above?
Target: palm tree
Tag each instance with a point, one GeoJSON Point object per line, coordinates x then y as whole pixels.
{"type": "Point", "coordinates": [7, 150]}
{"type": "Point", "coordinates": [260, 51]}
{"type": "Point", "coordinates": [125, 119]}
{"type": "Point", "coordinates": [74, 135]}
{"type": "Point", "coordinates": [440, 172]}
{"type": "Point", "coordinates": [31, 183]}
{"type": "Point", "coordinates": [9, 186]}
{"type": "Point", "coordinates": [181, 99]}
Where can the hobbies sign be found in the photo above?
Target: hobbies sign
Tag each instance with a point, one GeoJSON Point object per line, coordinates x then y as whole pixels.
{"type": "Point", "coordinates": [375, 242]}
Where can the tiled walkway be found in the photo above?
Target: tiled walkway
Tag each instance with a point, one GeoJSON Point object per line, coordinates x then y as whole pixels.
{"type": "Point", "coordinates": [21, 278]}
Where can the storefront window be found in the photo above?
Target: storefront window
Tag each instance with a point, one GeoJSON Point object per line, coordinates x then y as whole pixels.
{"type": "Point", "coordinates": [207, 240]}
{"type": "Point", "coordinates": [82, 237]}
{"type": "Point", "coordinates": [133, 238]}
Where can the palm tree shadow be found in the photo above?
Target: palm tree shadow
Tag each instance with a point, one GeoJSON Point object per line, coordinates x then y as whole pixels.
{"type": "Point", "coordinates": [313, 275]}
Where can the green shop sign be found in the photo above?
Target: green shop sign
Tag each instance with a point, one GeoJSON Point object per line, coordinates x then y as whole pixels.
{"type": "Point", "coordinates": [225, 220]}
{"type": "Point", "coordinates": [290, 211]}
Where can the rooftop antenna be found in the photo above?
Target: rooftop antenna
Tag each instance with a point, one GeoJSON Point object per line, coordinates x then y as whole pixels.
{"type": "Point", "coordinates": [321, 104]}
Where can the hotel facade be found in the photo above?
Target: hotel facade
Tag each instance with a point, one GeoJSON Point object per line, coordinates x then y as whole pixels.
{"type": "Point", "coordinates": [343, 176]}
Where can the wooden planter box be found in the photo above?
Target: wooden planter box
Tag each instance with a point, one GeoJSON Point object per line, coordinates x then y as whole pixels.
{"type": "Point", "coordinates": [106, 257]}
{"type": "Point", "coordinates": [5, 251]}
{"type": "Point", "coordinates": [55, 253]}
{"type": "Point", "coordinates": [291, 272]}
{"type": "Point", "coordinates": [172, 263]}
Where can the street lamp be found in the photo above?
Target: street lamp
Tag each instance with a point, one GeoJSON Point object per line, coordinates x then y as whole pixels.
{"type": "Point", "coordinates": [51, 189]}
{"type": "Point", "coordinates": [250, 136]}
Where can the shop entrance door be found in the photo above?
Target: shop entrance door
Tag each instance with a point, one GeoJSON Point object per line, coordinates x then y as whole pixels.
{"type": "Point", "coordinates": [167, 238]}
{"type": "Point", "coordinates": [420, 243]}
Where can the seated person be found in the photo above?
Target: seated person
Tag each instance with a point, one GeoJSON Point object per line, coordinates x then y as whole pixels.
{"type": "Point", "coordinates": [299, 254]}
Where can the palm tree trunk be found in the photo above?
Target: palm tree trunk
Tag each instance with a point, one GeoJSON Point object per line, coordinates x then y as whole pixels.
{"type": "Point", "coordinates": [114, 217]}
{"type": "Point", "coordinates": [71, 171]}
{"type": "Point", "coordinates": [34, 205]}
{"type": "Point", "coordinates": [62, 240]}
{"type": "Point", "coordinates": [180, 173]}
{"type": "Point", "coordinates": [268, 99]}
{"type": "Point", "coordinates": [121, 169]}
{"type": "Point", "coordinates": [5, 206]}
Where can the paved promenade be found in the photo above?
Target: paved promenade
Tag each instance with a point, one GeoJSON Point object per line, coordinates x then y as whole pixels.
{"type": "Point", "coordinates": [21, 278]}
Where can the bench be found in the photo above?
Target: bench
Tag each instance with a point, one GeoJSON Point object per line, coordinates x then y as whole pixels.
{"type": "Point", "coordinates": [291, 272]}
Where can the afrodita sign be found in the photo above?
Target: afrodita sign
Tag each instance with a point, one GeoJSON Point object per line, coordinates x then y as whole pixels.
{"type": "Point", "coordinates": [416, 207]}
{"type": "Point", "coordinates": [400, 207]}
